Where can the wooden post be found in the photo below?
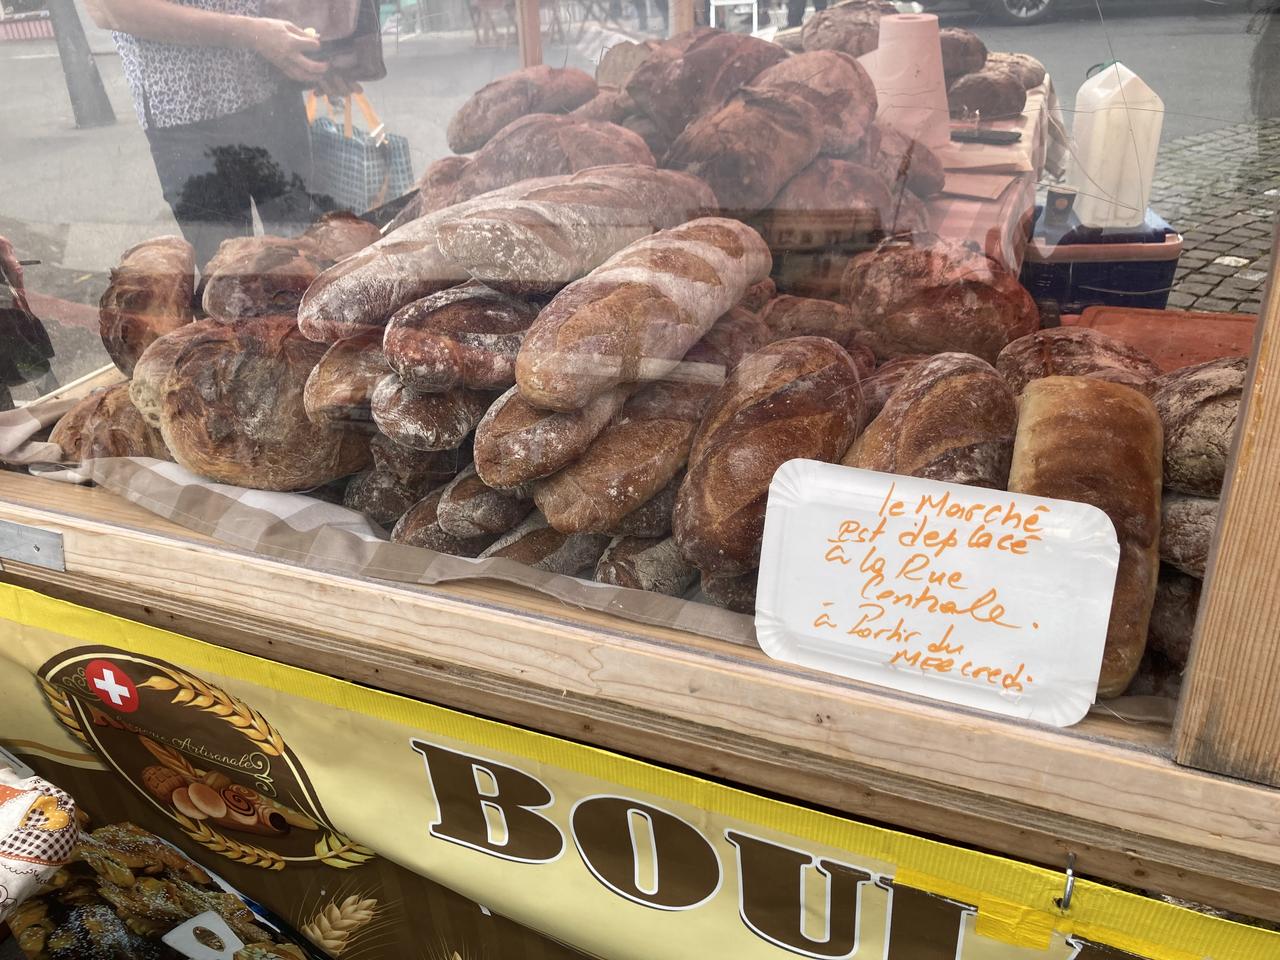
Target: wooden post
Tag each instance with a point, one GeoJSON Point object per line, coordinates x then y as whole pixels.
{"type": "Point", "coordinates": [1229, 716]}
{"type": "Point", "coordinates": [681, 16]}
{"type": "Point", "coordinates": [529, 28]}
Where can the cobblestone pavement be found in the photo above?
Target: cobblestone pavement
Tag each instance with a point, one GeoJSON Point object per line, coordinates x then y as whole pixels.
{"type": "Point", "coordinates": [1221, 191]}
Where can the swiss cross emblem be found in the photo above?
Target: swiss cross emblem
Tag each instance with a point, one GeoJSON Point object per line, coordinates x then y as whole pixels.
{"type": "Point", "coordinates": [111, 685]}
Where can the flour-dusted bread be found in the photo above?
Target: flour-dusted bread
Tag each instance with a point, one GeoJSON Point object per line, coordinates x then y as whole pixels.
{"type": "Point", "coordinates": [1074, 352]}
{"type": "Point", "coordinates": [653, 517]}
{"type": "Point", "coordinates": [749, 148]}
{"type": "Point", "coordinates": [427, 421]}
{"type": "Point", "coordinates": [555, 233]}
{"type": "Point", "coordinates": [634, 317]}
{"type": "Point", "coordinates": [952, 418]}
{"type": "Point", "coordinates": [792, 398]}
{"type": "Point", "coordinates": [339, 390]}
{"type": "Point", "coordinates": [884, 381]}
{"type": "Point", "coordinates": [940, 297]}
{"type": "Point", "coordinates": [537, 544]}
{"type": "Point", "coordinates": [1100, 443]}
{"type": "Point", "coordinates": [338, 235]}
{"type": "Point", "coordinates": [1186, 531]}
{"type": "Point", "coordinates": [836, 85]}
{"type": "Point", "coordinates": [646, 563]}
{"type": "Point", "coordinates": [383, 496]}
{"type": "Point", "coordinates": [469, 507]}
{"type": "Point", "coordinates": [466, 336]}
{"type": "Point", "coordinates": [233, 410]}
{"type": "Point", "coordinates": [146, 388]}
{"type": "Point", "coordinates": [537, 89]}
{"type": "Point", "coordinates": [258, 277]}
{"type": "Point", "coordinates": [432, 467]}
{"type": "Point", "coordinates": [852, 28]}
{"type": "Point", "coordinates": [988, 94]}
{"type": "Point", "coordinates": [107, 424]}
{"type": "Point", "coordinates": [828, 203]}
{"type": "Point", "coordinates": [1198, 406]}
{"type": "Point", "coordinates": [149, 295]}
{"type": "Point", "coordinates": [675, 90]}
{"type": "Point", "coordinates": [736, 592]}
{"type": "Point", "coordinates": [787, 316]}
{"type": "Point", "coordinates": [1027, 69]}
{"type": "Point", "coordinates": [420, 527]}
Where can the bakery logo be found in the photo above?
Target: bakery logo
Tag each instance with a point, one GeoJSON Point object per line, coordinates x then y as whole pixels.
{"type": "Point", "coordinates": [207, 760]}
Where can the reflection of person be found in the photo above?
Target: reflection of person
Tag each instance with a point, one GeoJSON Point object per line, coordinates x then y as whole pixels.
{"type": "Point", "coordinates": [795, 10]}
{"type": "Point", "coordinates": [217, 88]}
{"type": "Point", "coordinates": [25, 349]}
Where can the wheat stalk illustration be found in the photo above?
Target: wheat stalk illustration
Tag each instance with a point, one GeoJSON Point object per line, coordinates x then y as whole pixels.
{"type": "Point", "coordinates": [194, 692]}
{"type": "Point", "coordinates": [336, 925]}
{"type": "Point", "coordinates": [245, 853]}
{"type": "Point", "coordinates": [60, 703]}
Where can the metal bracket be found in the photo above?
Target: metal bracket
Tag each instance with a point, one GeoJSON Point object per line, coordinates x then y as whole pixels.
{"type": "Point", "coordinates": [32, 545]}
{"type": "Point", "coordinates": [1064, 902]}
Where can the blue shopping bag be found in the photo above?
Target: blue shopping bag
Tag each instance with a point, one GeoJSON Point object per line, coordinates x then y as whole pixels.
{"type": "Point", "coordinates": [356, 169]}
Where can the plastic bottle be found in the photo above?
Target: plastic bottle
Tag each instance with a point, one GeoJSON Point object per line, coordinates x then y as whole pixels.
{"type": "Point", "coordinates": [1117, 136]}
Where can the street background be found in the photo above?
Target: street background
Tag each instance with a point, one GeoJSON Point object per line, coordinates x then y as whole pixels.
{"type": "Point", "coordinates": [75, 199]}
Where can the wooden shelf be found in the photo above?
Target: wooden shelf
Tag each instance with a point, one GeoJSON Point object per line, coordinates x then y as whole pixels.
{"type": "Point", "coordinates": [1106, 790]}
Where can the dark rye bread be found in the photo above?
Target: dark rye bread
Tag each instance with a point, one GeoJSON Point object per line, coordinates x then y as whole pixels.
{"type": "Point", "coordinates": [1186, 531]}
{"type": "Point", "coordinates": [1074, 352]}
{"type": "Point", "coordinates": [382, 496]}
{"type": "Point", "coordinates": [1173, 617]}
{"type": "Point", "coordinates": [635, 317]}
{"type": "Point", "coordinates": [471, 508]}
{"type": "Point", "coordinates": [635, 457]}
{"type": "Point", "coordinates": [517, 443]}
{"type": "Point", "coordinates": [989, 94]}
{"type": "Point", "coordinates": [536, 544]}
{"type": "Point", "coordinates": [410, 465]}
{"type": "Point", "coordinates": [952, 418]}
{"type": "Point", "coordinates": [258, 277]}
{"type": "Point", "coordinates": [233, 410]}
{"type": "Point", "coordinates": [537, 89]}
{"type": "Point", "coordinates": [1100, 443]}
{"type": "Point", "coordinates": [339, 390]}
{"type": "Point", "coordinates": [427, 421]}
{"type": "Point", "coordinates": [836, 85]}
{"type": "Point", "coordinates": [466, 336]}
{"type": "Point", "coordinates": [646, 563]}
{"type": "Point", "coordinates": [420, 527]}
{"type": "Point", "coordinates": [792, 398]}
{"type": "Point", "coordinates": [653, 517]}
{"type": "Point", "coordinates": [107, 424]}
{"type": "Point", "coordinates": [733, 592]}
{"type": "Point", "coordinates": [149, 295]}
{"type": "Point", "coordinates": [1198, 406]}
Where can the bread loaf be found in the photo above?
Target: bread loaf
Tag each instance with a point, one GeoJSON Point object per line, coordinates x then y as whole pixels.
{"type": "Point", "coordinates": [828, 203]}
{"type": "Point", "coordinates": [636, 315]}
{"type": "Point", "coordinates": [545, 145]}
{"type": "Point", "coordinates": [106, 424]}
{"type": "Point", "coordinates": [1173, 617]}
{"type": "Point", "coordinates": [903, 161]}
{"type": "Point", "coordinates": [647, 131]}
{"type": "Point", "coordinates": [339, 390]}
{"type": "Point", "coordinates": [793, 398]}
{"type": "Point", "coordinates": [1100, 443]}
{"type": "Point", "coordinates": [673, 91]}
{"type": "Point", "coordinates": [942, 297]}
{"type": "Point", "coordinates": [536, 544]}
{"type": "Point", "coordinates": [788, 316]}
{"type": "Point", "coordinates": [537, 89]}
{"type": "Point", "coordinates": [420, 528]}
{"type": "Point", "coordinates": [258, 277]}
{"type": "Point", "coordinates": [758, 294]}
{"type": "Point", "coordinates": [736, 592]}
{"type": "Point", "coordinates": [748, 149]}
{"type": "Point", "coordinates": [1074, 352]}
{"type": "Point", "coordinates": [611, 104]}
{"type": "Point", "coordinates": [962, 52]}
{"type": "Point", "coordinates": [233, 410]}
{"type": "Point", "coordinates": [1027, 69]}
{"type": "Point", "coordinates": [646, 563]}
{"type": "Point", "coordinates": [437, 189]}
{"type": "Point", "coordinates": [836, 85]}
{"type": "Point", "coordinates": [470, 508]}
{"type": "Point", "coordinates": [339, 234]}
{"type": "Point", "coordinates": [1198, 406]}
{"type": "Point", "coordinates": [382, 496]}
{"type": "Point", "coordinates": [852, 28]}
{"type": "Point", "coordinates": [952, 418]}
{"type": "Point", "coordinates": [427, 421]}
{"type": "Point", "coordinates": [432, 467]}
{"type": "Point", "coordinates": [466, 336]}
{"type": "Point", "coordinates": [146, 389]}
{"type": "Point", "coordinates": [517, 443]}
{"type": "Point", "coordinates": [1186, 531]}
{"type": "Point", "coordinates": [557, 233]}
{"type": "Point", "coordinates": [149, 295]}
{"type": "Point", "coordinates": [621, 59]}
{"type": "Point", "coordinates": [647, 444]}
{"type": "Point", "coordinates": [885, 380]}
{"type": "Point", "coordinates": [653, 517]}
{"type": "Point", "coordinates": [987, 94]}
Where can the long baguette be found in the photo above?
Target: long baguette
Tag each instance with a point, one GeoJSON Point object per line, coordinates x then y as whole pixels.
{"type": "Point", "coordinates": [637, 315]}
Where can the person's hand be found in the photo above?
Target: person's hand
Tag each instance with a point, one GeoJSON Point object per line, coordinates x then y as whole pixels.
{"type": "Point", "coordinates": [287, 46]}
{"type": "Point", "coordinates": [10, 268]}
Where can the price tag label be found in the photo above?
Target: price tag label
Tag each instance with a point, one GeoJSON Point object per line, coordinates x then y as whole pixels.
{"type": "Point", "coordinates": [979, 597]}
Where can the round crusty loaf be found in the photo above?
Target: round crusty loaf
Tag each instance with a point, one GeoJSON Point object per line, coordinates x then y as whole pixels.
{"type": "Point", "coordinates": [233, 410]}
{"type": "Point", "coordinates": [758, 294]}
{"type": "Point", "coordinates": [836, 85]}
{"type": "Point", "coordinates": [793, 398]}
{"type": "Point", "coordinates": [852, 28]}
{"type": "Point", "coordinates": [537, 544]}
{"type": "Point", "coordinates": [962, 52]}
{"type": "Point", "coordinates": [338, 235]}
{"type": "Point", "coordinates": [427, 421]}
{"type": "Point", "coordinates": [1186, 531]}
{"type": "Point", "coordinates": [536, 89]}
{"type": "Point", "coordinates": [149, 295]}
{"type": "Point", "coordinates": [146, 389]}
{"type": "Point", "coordinates": [1198, 406]}
{"type": "Point", "coordinates": [339, 390]}
{"type": "Point", "coordinates": [107, 424]}
{"type": "Point", "coordinates": [1074, 352]}
{"type": "Point", "coordinates": [470, 508]}
{"type": "Point", "coordinates": [382, 496]}
{"type": "Point", "coordinates": [410, 465]}
{"type": "Point", "coordinates": [646, 563]}
{"type": "Point", "coordinates": [787, 316]}
{"type": "Point", "coordinates": [952, 418]}
{"type": "Point", "coordinates": [937, 298]}
{"type": "Point", "coordinates": [258, 277]}
{"type": "Point", "coordinates": [1027, 69]}
{"type": "Point", "coordinates": [988, 94]}
{"type": "Point", "coordinates": [420, 527]}
{"type": "Point", "coordinates": [733, 592]}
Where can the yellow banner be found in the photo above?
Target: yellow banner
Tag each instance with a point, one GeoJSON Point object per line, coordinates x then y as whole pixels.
{"type": "Point", "coordinates": [270, 771]}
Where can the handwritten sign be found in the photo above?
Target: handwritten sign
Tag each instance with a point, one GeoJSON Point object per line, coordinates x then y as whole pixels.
{"type": "Point", "coordinates": [980, 597]}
